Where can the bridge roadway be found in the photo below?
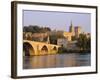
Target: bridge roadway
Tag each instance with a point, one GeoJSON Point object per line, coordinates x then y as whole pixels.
{"type": "Point", "coordinates": [38, 48]}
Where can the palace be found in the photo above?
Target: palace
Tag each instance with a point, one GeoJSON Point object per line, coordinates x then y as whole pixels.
{"type": "Point", "coordinates": [73, 31]}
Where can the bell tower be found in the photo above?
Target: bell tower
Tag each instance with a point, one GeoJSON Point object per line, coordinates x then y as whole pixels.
{"type": "Point", "coordinates": [48, 40]}
{"type": "Point", "coordinates": [71, 29]}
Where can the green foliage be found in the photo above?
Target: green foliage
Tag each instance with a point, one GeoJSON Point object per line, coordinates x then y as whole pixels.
{"type": "Point", "coordinates": [36, 29]}
{"type": "Point", "coordinates": [83, 42]}
{"type": "Point", "coordinates": [53, 39]}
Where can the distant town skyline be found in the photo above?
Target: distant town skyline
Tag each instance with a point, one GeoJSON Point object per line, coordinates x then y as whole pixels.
{"type": "Point", "coordinates": [57, 20]}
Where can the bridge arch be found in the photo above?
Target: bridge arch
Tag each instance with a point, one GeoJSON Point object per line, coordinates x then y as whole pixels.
{"type": "Point", "coordinates": [28, 49]}
{"type": "Point", "coordinates": [44, 50]}
{"type": "Point", "coordinates": [54, 48]}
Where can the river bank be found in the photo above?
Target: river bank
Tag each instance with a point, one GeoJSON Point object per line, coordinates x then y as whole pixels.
{"type": "Point", "coordinates": [62, 50]}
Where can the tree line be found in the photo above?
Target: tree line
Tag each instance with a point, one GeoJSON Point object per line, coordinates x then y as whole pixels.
{"type": "Point", "coordinates": [36, 29]}
{"type": "Point", "coordinates": [84, 42]}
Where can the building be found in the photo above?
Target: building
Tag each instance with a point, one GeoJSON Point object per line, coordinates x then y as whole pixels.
{"type": "Point", "coordinates": [27, 35]}
{"type": "Point", "coordinates": [36, 35]}
{"type": "Point", "coordinates": [77, 31]}
{"type": "Point", "coordinates": [39, 36]}
{"type": "Point", "coordinates": [71, 29]}
{"type": "Point", "coordinates": [72, 45]}
{"type": "Point", "coordinates": [48, 40]}
{"type": "Point", "coordinates": [62, 42]}
{"type": "Point", "coordinates": [88, 35]}
{"type": "Point", "coordinates": [70, 34]}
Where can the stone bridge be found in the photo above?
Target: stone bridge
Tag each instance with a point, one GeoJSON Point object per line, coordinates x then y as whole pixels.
{"type": "Point", "coordinates": [38, 48]}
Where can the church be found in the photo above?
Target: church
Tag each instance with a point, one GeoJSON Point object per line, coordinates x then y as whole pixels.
{"type": "Point", "coordinates": [73, 31]}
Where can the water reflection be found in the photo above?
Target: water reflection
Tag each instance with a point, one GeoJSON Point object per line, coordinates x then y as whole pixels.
{"type": "Point", "coordinates": [58, 60]}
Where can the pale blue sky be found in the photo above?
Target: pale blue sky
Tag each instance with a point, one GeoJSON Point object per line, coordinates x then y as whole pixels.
{"type": "Point", "coordinates": [57, 20]}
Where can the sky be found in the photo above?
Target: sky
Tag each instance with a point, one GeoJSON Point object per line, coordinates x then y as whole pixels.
{"type": "Point", "coordinates": [57, 20]}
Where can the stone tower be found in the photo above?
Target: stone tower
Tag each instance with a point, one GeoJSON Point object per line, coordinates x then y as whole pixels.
{"type": "Point", "coordinates": [48, 40]}
{"type": "Point", "coordinates": [71, 29]}
{"type": "Point", "coordinates": [77, 31]}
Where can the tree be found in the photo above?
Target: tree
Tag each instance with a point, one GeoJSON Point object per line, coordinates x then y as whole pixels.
{"type": "Point", "coordinates": [88, 43]}
{"type": "Point", "coordinates": [36, 29]}
{"type": "Point", "coordinates": [83, 42]}
{"type": "Point", "coordinates": [53, 39]}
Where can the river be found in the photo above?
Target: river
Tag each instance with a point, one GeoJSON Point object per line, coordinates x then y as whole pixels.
{"type": "Point", "coordinates": [57, 60]}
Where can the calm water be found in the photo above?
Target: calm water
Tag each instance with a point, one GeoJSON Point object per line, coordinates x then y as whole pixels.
{"type": "Point", "coordinates": [58, 60]}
